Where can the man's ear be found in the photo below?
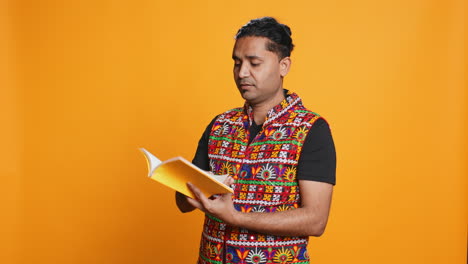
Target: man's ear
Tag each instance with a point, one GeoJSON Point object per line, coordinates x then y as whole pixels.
{"type": "Point", "coordinates": [285, 65]}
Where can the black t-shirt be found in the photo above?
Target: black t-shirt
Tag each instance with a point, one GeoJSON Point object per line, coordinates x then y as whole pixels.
{"type": "Point", "coordinates": [317, 161]}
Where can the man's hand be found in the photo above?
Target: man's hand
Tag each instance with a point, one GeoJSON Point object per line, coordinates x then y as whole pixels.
{"type": "Point", "coordinates": [219, 206]}
{"type": "Point", "coordinates": [183, 202]}
{"type": "Point", "coordinates": [309, 219]}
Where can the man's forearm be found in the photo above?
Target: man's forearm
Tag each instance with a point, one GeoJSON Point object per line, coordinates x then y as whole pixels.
{"type": "Point", "coordinates": [295, 222]}
{"type": "Point", "coordinates": [309, 219]}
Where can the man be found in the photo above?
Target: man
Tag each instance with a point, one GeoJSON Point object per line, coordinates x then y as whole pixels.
{"type": "Point", "coordinates": [280, 156]}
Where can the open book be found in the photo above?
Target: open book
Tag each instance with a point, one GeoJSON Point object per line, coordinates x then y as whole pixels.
{"type": "Point", "coordinates": [176, 172]}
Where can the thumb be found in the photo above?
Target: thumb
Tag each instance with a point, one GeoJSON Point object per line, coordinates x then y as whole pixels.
{"type": "Point", "coordinates": [229, 181]}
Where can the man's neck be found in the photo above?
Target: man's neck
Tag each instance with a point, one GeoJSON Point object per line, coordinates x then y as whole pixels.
{"type": "Point", "coordinates": [260, 110]}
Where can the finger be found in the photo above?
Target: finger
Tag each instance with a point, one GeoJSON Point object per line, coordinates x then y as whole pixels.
{"type": "Point", "coordinates": [198, 194]}
{"type": "Point", "coordinates": [195, 203]}
{"type": "Point", "coordinates": [229, 181]}
{"type": "Point", "coordinates": [225, 196]}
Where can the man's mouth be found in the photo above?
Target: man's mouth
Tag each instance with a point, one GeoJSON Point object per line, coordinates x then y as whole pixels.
{"type": "Point", "coordinates": [245, 87]}
{"type": "Point", "coordinates": [242, 85]}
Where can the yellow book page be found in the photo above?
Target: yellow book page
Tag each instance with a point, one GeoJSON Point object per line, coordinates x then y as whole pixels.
{"type": "Point", "coordinates": [176, 172]}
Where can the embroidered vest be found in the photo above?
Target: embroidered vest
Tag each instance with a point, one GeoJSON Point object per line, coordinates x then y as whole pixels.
{"type": "Point", "coordinates": [264, 173]}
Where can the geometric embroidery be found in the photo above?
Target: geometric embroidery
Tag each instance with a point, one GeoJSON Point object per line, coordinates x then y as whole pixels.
{"type": "Point", "coordinates": [264, 173]}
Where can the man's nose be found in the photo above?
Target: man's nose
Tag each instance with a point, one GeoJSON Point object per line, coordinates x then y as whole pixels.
{"type": "Point", "coordinates": [244, 71]}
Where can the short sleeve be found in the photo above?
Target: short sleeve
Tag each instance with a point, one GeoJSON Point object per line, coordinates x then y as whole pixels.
{"type": "Point", "coordinates": [317, 161]}
{"type": "Point", "coordinates": [201, 155]}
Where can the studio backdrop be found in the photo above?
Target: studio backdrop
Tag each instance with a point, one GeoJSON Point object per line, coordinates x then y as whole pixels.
{"type": "Point", "coordinates": [83, 84]}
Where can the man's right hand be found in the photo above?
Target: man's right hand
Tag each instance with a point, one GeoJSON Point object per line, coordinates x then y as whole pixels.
{"type": "Point", "coordinates": [183, 203]}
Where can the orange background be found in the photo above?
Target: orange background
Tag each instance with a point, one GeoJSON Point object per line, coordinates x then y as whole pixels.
{"type": "Point", "coordinates": [85, 83]}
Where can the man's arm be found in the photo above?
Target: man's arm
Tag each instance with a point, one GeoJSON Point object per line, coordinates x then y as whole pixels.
{"type": "Point", "coordinates": [183, 204]}
{"type": "Point", "coordinates": [201, 161]}
{"type": "Point", "coordinates": [310, 219]}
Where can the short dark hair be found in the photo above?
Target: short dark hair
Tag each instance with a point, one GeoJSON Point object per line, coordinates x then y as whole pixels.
{"type": "Point", "coordinates": [278, 34]}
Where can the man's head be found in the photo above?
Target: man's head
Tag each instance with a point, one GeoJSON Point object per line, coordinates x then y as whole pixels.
{"type": "Point", "coordinates": [261, 60]}
{"type": "Point", "coordinates": [267, 27]}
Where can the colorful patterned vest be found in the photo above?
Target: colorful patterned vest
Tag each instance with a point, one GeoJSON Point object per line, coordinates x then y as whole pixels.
{"type": "Point", "coordinates": [265, 181]}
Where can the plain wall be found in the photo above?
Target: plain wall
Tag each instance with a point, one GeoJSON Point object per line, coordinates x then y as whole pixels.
{"type": "Point", "coordinates": [85, 83]}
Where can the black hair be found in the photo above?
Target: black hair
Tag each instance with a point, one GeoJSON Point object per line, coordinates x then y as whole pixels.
{"type": "Point", "coordinates": [278, 34]}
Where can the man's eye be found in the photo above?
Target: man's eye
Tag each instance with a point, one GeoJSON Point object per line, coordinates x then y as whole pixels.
{"type": "Point", "coordinates": [236, 64]}
{"type": "Point", "coordinates": [255, 64]}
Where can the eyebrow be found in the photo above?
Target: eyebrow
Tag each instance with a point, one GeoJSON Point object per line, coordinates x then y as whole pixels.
{"type": "Point", "coordinates": [251, 57]}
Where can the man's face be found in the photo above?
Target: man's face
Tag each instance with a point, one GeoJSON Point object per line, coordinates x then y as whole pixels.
{"type": "Point", "coordinates": [258, 73]}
